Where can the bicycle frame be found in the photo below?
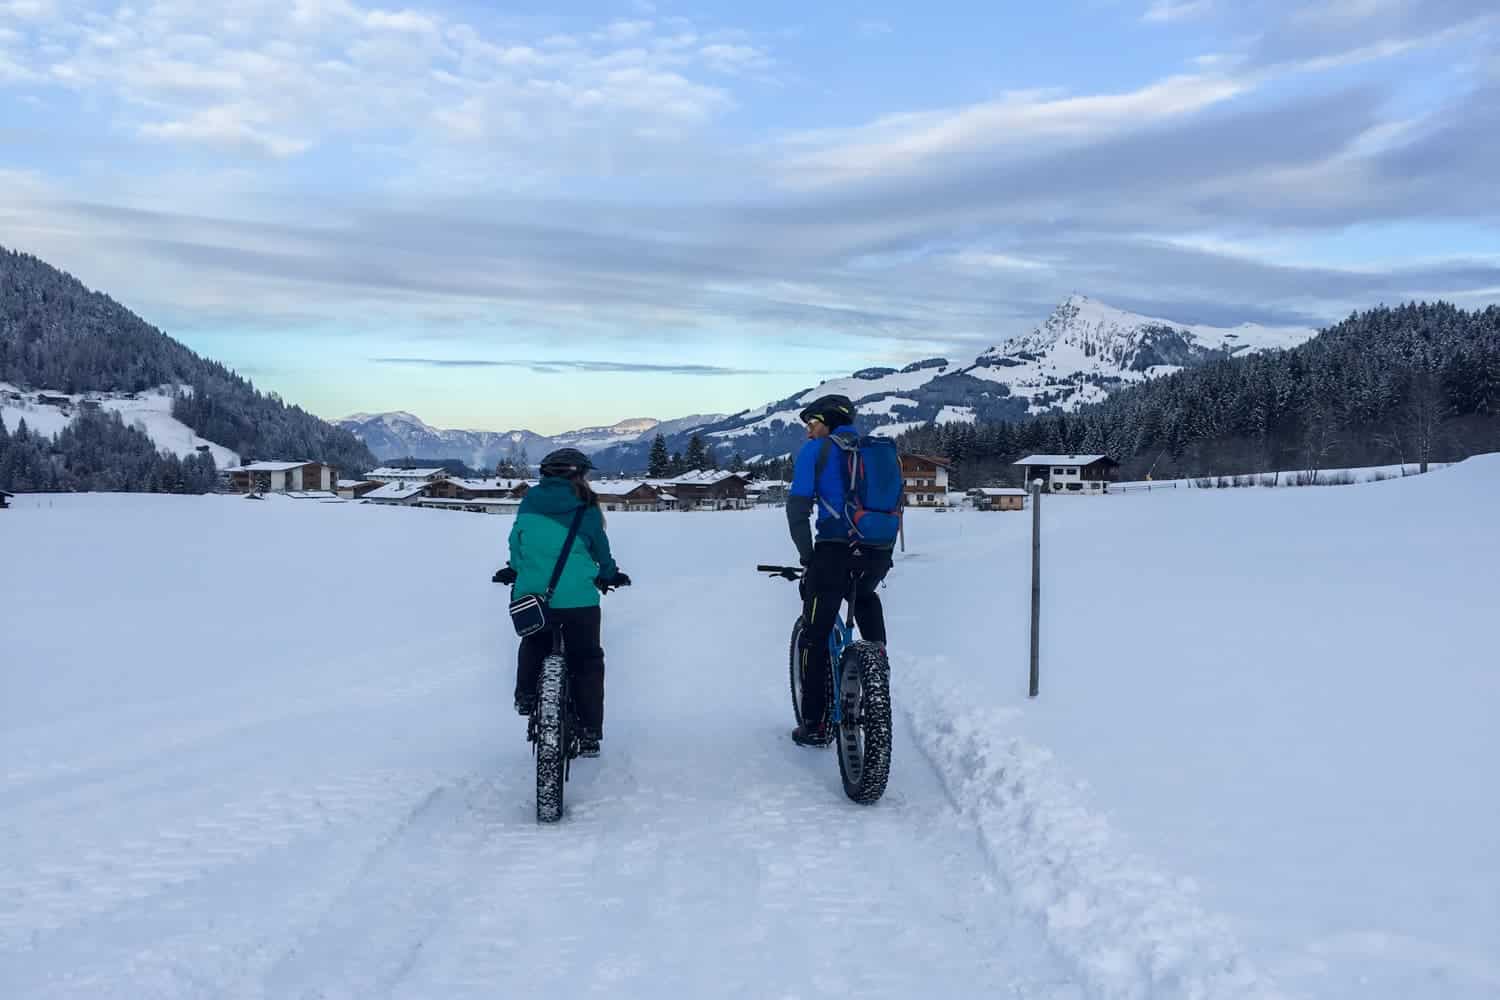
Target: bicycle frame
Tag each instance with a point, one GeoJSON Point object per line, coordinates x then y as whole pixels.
{"type": "Point", "coordinates": [839, 639]}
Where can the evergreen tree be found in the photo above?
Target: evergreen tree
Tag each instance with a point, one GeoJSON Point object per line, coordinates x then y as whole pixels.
{"type": "Point", "coordinates": [698, 458]}
{"type": "Point", "coordinates": [661, 461]}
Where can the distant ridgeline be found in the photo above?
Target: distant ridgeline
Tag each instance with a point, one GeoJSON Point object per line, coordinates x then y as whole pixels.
{"type": "Point", "coordinates": [1415, 383]}
{"type": "Point", "coordinates": [57, 334]}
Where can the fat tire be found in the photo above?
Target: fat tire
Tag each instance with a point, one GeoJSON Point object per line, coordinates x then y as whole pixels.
{"type": "Point", "coordinates": [551, 738]}
{"type": "Point", "coordinates": [794, 665]}
{"type": "Point", "coordinates": [864, 734]}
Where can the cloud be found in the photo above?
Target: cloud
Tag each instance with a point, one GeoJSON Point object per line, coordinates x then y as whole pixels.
{"type": "Point", "coordinates": [1327, 33]}
{"type": "Point", "coordinates": [227, 129]}
{"type": "Point", "coordinates": [556, 367]}
{"type": "Point", "coordinates": [338, 72]}
{"type": "Point", "coordinates": [557, 178]}
{"type": "Point", "coordinates": [1162, 11]}
{"type": "Point", "coordinates": [1015, 125]}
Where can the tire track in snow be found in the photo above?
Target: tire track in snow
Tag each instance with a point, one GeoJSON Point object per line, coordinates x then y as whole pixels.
{"type": "Point", "coordinates": [372, 935]}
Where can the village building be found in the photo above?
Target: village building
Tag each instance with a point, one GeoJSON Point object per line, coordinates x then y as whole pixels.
{"type": "Point", "coordinates": [453, 488]}
{"type": "Point", "coordinates": [387, 474]}
{"type": "Point", "coordinates": [282, 477]}
{"type": "Point", "coordinates": [627, 495]}
{"type": "Point", "coordinates": [355, 489]}
{"type": "Point", "coordinates": [998, 498]}
{"type": "Point", "coordinates": [5, 499]}
{"type": "Point", "coordinates": [397, 494]}
{"type": "Point", "coordinates": [924, 479]}
{"type": "Point", "coordinates": [485, 505]}
{"type": "Point", "coordinates": [705, 490]}
{"type": "Point", "coordinates": [54, 399]}
{"type": "Point", "coordinates": [1080, 474]}
{"type": "Point", "coordinates": [771, 492]}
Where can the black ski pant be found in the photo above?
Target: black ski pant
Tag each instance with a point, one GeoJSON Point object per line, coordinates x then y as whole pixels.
{"type": "Point", "coordinates": [580, 632]}
{"type": "Point", "coordinates": [835, 570]}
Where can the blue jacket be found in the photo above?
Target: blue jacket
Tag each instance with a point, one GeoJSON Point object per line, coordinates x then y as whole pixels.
{"type": "Point", "coordinates": [823, 492]}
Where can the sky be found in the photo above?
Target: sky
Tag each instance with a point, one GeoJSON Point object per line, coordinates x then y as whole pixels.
{"type": "Point", "coordinates": [564, 214]}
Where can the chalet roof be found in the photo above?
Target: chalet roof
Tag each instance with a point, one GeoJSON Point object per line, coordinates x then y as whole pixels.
{"type": "Point", "coordinates": [934, 459]}
{"type": "Point", "coordinates": [345, 484]}
{"type": "Point", "coordinates": [619, 487]}
{"type": "Point", "coordinates": [704, 477]}
{"type": "Point", "coordinates": [1065, 460]}
{"type": "Point", "coordinates": [1000, 491]}
{"type": "Point", "coordinates": [397, 491]}
{"type": "Point", "coordinates": [386, 472]}
{"type": "Point", "coordinates": [479, 485]}
{"type": "Point", "coordinates": [269, 466]}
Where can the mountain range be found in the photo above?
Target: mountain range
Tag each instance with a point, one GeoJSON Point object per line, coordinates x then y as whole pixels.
{"type": "Point", "coordinates": [1080, 354]}
{"type": "Point", "coordinates": [401, 435]}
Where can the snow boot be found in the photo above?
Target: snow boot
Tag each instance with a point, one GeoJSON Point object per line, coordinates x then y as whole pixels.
{"type": "Point", "coordinates": [809, 735]}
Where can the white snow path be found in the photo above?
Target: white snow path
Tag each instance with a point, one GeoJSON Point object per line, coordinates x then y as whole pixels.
{"type": "Point", "coordinates": [250, 777]}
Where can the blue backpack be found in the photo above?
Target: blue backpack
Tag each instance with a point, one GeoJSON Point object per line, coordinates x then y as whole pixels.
{"type": "Point", "coordinates": [873, 493]}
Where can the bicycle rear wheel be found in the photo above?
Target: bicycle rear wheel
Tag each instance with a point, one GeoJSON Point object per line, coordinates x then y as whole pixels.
{"type": "Point", "coordinates": [551, 738]}
{"type": "Point", "coordinates": [864, 732]}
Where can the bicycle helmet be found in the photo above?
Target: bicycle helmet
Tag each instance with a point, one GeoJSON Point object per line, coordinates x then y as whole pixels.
{"type": "Point", "coordinates": [569, 463]}
{"type": "Point", "coordinates": [833, 411]}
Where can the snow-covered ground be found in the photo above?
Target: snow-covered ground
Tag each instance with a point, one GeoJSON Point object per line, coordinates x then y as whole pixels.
{"type": "Point", "coordinates": [266, 750]}
{"type": "Point", "coordinates": [150, 412]}
{"type": "Point", "coordinates": [1284, 477]}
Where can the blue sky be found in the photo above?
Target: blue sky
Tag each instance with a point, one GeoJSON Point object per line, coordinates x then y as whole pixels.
{"type": "Point", "coordinates": [557, 214]}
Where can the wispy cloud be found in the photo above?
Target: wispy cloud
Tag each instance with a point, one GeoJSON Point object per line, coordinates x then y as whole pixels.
{"type": "Point", "coordinates": [551, 367]}
{"type": "Point", "coordinates": [1162, 11]}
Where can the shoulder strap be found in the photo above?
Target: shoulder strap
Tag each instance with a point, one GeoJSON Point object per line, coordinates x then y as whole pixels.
{"type": "Point", "coordinates": [822, 462]}
{"type": "Point", "coordinates": [567, 545]}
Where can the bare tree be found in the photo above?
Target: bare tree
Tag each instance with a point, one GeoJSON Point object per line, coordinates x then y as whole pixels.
{"type": "Point", "coordinates": [1318, 441]}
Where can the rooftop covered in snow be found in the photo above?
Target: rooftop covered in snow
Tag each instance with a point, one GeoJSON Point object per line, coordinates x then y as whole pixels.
{"type": "Point", "coordinates": [1064, 460]}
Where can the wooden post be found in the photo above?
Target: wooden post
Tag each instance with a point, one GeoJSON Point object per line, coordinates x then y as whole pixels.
{"type": "Point", "coordinates": [1036, 584]}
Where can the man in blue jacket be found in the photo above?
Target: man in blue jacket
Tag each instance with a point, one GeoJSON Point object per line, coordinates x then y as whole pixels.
{"type": "Point", "coordinates": [832, 564]}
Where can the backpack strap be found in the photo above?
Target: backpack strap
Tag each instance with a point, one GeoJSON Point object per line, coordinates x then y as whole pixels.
{"type": "Point", "coordinates": [562, 557]}
{"type": "Point", "coordinates": [822, 462]}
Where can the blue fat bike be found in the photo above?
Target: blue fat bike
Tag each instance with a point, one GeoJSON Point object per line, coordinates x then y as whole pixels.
{"type": "Point", "coordinates": [859, 698]}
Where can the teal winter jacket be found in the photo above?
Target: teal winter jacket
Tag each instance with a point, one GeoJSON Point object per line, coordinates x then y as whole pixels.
{"type": "Point", "coordinates": [537, 538]}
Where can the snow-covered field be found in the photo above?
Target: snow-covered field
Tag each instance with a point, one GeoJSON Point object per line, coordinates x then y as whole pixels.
{"type": "Point", "coordinates": [150, 412]}
{"type": "Point", "coordinates": [267, 750]}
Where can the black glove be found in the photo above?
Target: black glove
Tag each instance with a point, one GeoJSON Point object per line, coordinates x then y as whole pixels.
{"type": "Point", "coordinates": [506, 576]}
{"type": "Point", "coordinates": [606, 585]}
{"type": "Point", "coordinates": [788, 573]}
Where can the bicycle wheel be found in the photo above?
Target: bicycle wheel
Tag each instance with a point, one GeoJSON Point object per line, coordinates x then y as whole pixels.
{"type": "Point", "coordinates": [794, 664]}
{"type": "Point", "coordinates": [864, 735]}
{"type": "Point", "coordinates": [551, 738]}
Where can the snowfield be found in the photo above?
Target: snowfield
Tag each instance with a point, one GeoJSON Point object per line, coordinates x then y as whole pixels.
{"type": "Point", "coordinates": [267, 750]}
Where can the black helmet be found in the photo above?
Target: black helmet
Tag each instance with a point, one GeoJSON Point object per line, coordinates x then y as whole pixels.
{"type": "Point", "coordinates": [569, 463]}
{"type": "Point", "coordinates": [833, 411]}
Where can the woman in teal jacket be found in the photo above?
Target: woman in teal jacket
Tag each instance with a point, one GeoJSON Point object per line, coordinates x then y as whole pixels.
{"type": "Point", "coordinates": [536, 541]}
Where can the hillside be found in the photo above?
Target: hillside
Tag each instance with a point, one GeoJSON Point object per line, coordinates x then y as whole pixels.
{"type": "Point", "coordinates": [1416, 383]}
{"type": "Point", "coordinates": [56, 334]}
